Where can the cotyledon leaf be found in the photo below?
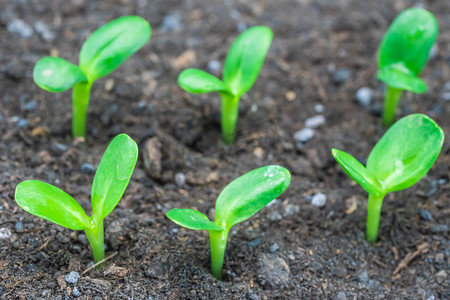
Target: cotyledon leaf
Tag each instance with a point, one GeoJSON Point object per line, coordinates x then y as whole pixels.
{"type": "Point", "coordinates": [191, 219]}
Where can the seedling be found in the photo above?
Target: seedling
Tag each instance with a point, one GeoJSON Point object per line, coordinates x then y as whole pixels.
{"type": "Point", "coordinates": [403, 155]}
{"type": "Point", "coordinates": [242, 65]}
{"type": "Point", "coordinates": [237, 202]}
{"type": "Point", "coordinates": [111, 179]}
{"type": "Point", "coordinates": [402, 55]}
{"type": "Point", "coordinates": [105, 50]}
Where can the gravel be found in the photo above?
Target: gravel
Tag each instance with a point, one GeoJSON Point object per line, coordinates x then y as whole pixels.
{"type": "Point", "coordinates": [72, 277]}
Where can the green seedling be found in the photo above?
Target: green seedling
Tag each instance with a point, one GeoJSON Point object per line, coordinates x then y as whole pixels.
{"type": "Point", "coordinates": [402, 55]}
{"type": "Point", "coordinates": [404, 154]}
{"type": "Point", "coordinates": [242, 65]}
{"type": "Point", "coordinates": [105, 50]}
{"type": "Point", "coordinates": [111, 179]}
{"type": "Point", "coordinates": [238, 201]}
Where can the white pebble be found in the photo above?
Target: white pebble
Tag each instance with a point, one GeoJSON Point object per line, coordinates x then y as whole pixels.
{"type": "Point", "coordinates": [5, 233]}
{"type": "Point", "coordinates": [304, 135]}
{"type": "Point", "coordinates": [318, 108]}
{"type": "Point", "coordinates": [319, 200]}
{"type": "Point", "coordinates": [315, 121]}
{"type": "Point", "coordinates": [20, 27]}
{"type": "Point", "coordinates": [364, 96]}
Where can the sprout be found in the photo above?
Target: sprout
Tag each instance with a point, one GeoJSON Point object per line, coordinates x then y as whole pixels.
{"type": "Point", "coordinates": [238, 201]}
{"type": "Point", "coordinates": [402, 55]}
{"type": "Point", "coordinates": [111, 179]}
{"type": "Point", "coordinates": [105, 50]}
{"type": "Point", "coordinates": [242, 65]}
{"type": "Point", "coordinates": [401, 157]}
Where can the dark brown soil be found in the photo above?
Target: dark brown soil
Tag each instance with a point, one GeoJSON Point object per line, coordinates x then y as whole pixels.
{"type": "Point", "coordinates": [321, 252]}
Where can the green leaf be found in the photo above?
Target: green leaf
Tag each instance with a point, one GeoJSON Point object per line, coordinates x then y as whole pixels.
{"type": "Point", "coordinates": [397, 76]}
{"type": "Point", "coordinates": [409, 40]}
{"type": "Point", "coordinates": [406, 152]}
{"type": "Point", "coordinates": [245, 59]}
{"type": "Point", "coordinates": [51, 203]}
{"type": "Point", "coordinates": [110, 45]}
{"type": "Point", "coordinates": [113, 175]}
{"type": "Point", "coordinates": [353, 168]}
{"type": "Point", "coordinates": [198, 82]}
{"type": "Point", "coordinates": [248, 194]}
{"type": "Point", "coordinates": [55, 74]}
{"type": "Point", "coordinates": [191, 219]}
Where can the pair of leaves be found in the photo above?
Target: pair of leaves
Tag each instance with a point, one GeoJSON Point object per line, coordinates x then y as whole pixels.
{"type": "Point", "coordinates": [111, 179]}
{"type": "Point", "coordinates": [405, 48]}
{"type": "Point", "coordinates": [242, 65]}
{"type": "Point", "coordinates": [238, 201]}
{"type": "Point", "coordinates": [403, 155]}
{"type": "Point", "coordinates": [105, 50]}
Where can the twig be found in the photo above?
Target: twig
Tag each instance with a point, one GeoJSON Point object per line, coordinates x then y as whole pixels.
{"type": "Point", "coordinates": [422, 248]}
{"type": "Point", "coordinates": [98, 263]}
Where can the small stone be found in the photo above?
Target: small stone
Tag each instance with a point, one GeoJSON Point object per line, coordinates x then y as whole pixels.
{"type": "Point", "coordinates": [259, 152]}
{"type": "Point", "coordinates": [20, 27]}
{"type": "Point", "coordinates": [58, 148]}
{"type": "Point", "coordinates": [319, 200]}
{"type": "Point", "coordinates": [364, 96]}
{"type": "Point", "coordinates": [274, 248]}
{"type": "Point", "coordinates": [425, 215]}
{"type": "Point", "coordinates": [22, 123]}
{"type": "Point", "coordinates": [376, 109]}
{"type": "Point", "coordinates": [315, 121]}
{"type": "Point", "coordinates": [172, 22]}
{"type": "Point", "coordinates": [363, 277]}
{"type": "Point", "coordinates": [441, 276]}
{"type": "Point", "coordinates": [439, 258]}
{"type": "Point", "coordinates": [72, 277]}
{"type": "Point", "coordinates": [319, 108]}
{"type": "Point", "coordinates": [152, 157]}
{"type": "Point", "coordinates": [83, 239]}
{"type": "Point", "coordinates": [87, 169]}
{"type": "Point", "coordinates": [76, 292]}
{"type": "Point", "coordinates": [291, 210]}
{"type": "Point", "coordinates": [341, 75]}
{"type": "Point", "coordinates": [341, 296]}
{"type": "Point", "coordinates": [304, 135]}
{"type": "Point", "coordinates": [180, 179]}
{"type": "Point", "coordinates": [44, 31]}
{"type": "Point", "coordinates": [46, 293]}
{"type": "Point", "coordinates": [214, 66]}
{"type": "Point", "coordinates": [31, 105]}
{"type": "Point", "coordinates": [445, 96]}
{"type": "Point", "coordinates": [275, 216]}
{"type": "Point", "coordinates": [5, 233]}
{"type": "Point", "coordinates": [255, 242]}
{"type": "Point", "coordinates": [19, 227]}
{"type": "Point", "coordinates": [273, 271]}
{"type": "Point", "coordinates": [290, 96]}
{"type": "Point", "coordinates": [439, 228]}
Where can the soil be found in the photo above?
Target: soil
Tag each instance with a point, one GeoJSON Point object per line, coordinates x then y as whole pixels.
{"type": "Point", "coordinates": [323, 52]}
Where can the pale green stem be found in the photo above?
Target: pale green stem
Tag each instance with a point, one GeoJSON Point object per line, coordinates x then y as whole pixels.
{"type": "Point", "coordinates": [373, 217]}
{"type": "Point", "coordinates": [229, 116]}
{"type": "Point", "coordinates": [391, 99]}
{"type": "Point", "coordinates": [218, 243]}
{"type": "Point", "coordinates": [96, 237]}
{"type": "Point", "coordinates": [80, 104]}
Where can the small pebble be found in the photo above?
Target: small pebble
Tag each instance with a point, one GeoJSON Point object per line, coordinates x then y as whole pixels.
{"type": "Point", "coordinates": [31, 105]}
{"type": "Point", "coordinates": [76, 292]}
{"type": "Point", "coordinates": [318, 108]}
{"type": "Point", "coordinates": [5, 233]}
{"type": "Point", "coordinates": [88, 169]}
{"type": "Point", "coordinates": [319, 200]}
{"type": "Point", "coordinates": [58, 148]}
{"type": "Point", "coordinates": [19, 227]}
{"type": "Point", "coordinates": [72, 277]}
{"type": "Point", "coordinates": [364, 96]}
{"type": "Point", "coordinates": [425, 215]}
{"type": "Point", "coordinates": [341, 75]}
{"type": "Point", "coordinates": [46, 293]}
{"type": "Point", "coordinates": [255, 242]}
{"type": "Point", "coordinates": [445, 96]}
{"type": "Point", "coordinates": [291, 210]}
{"type": "Point", "coordinates": [180, 179]}
{"type": "Point", "coordinates": [44, 31]}
{"type": "Point", "coordinates": [341, 296]}
{"type": "Point", "coordinates": [172, 22]}
{"type": "Point", "coordinates": [275, 216]}
{"type": "Point", "coordinates": [214, 66]}
{"type": "Point", "coordinates": [304, 135]}
{"type": "Point", "coordinates": [441, 276]}
{"type": "Point", "coordinates": [315, 121]}
{"type": "Point", "coordinates": [363, 277]}
{"type": "Point", "coordinates": [439, 228]}
{"type": "Point", "coordinates": [22, 123]}
{"type": "Point", "coordinates": [274, 248]}
{"type": "Point", "coordinates": [20, 27]}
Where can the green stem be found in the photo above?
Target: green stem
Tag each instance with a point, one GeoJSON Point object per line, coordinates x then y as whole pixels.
{"type": "Point", "coordinates": [80, 104]}
{"type": "Point", "coordinates": [96, 239]}
{"type": "Point", "coordinates": [218, 243]}
{"type": "Point", "coordinates": [373, 217]}
{"type": "Point", "coordinates": [229, 115]}
{"type": "Point", "coordinates": [391, 99]}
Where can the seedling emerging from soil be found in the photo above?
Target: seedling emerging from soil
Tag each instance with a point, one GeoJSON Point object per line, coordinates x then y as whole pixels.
{"type": "Point", "coordinates": [402, 55]}
{"type": "Point", "coordinates": [111, 179]}
{"type": "Point", "coordinates": [238, 201]}
{"type": "Point", "coordinates": [242, 65]}
{"type": "Point", "coordinates": [402, 156]}
{"type": "Point", "coordinates": [105, 50]}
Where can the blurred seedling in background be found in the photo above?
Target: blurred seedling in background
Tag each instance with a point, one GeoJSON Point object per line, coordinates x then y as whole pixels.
{"type": "Point", "coordinates": [111, 179]}
{"type": "Point", "coordinates": [104, 50]}
{"type": "Point", "coordinates": [403, 155]}
{"type": "Point", "coordinates": [242, 65]}
{"type": "Point", "coordinates": [237, 202]}
{"type": "Point", "coordinates": [402, 55]}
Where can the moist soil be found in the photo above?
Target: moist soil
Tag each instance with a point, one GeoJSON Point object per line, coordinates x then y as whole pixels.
{"type": "Point", "coordinates": [322, 53]}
